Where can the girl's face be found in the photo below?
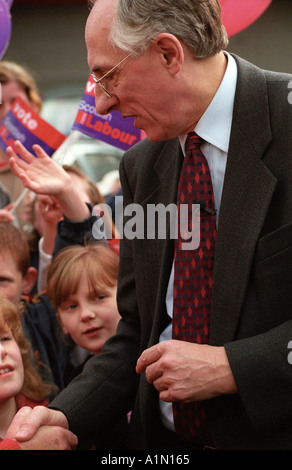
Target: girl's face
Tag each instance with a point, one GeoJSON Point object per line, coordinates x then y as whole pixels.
{"type": "Point", "coordinates": [11, 367]}
{"type": "Point", "coordinates": [90, 320]}
{"type": "Point", "coordinates": [10, 91]}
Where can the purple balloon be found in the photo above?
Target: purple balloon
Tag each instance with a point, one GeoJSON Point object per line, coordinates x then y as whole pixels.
{"type": "Point", "coordinates": [8, 3]}
{"type": "Point", "coordinates": [5, 26]}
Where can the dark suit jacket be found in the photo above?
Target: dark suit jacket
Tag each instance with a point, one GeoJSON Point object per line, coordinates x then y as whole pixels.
{"type": "Point", "coordinates": [252, 295]}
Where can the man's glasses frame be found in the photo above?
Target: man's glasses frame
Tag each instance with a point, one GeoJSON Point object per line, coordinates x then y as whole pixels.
{"type": "Point", "coordinates": [98, 81]}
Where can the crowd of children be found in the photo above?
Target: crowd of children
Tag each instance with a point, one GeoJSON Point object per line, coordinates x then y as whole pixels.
{"type": "Point", "coordinates": [70, 317]}
{"type": "Point", "coordinates": [57, 282]}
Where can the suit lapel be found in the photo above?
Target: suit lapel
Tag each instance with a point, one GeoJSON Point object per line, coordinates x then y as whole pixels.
{"type": "Point", "coordinates": [160, 250]}
{"type": "Point", "coordinates": [247, 192]}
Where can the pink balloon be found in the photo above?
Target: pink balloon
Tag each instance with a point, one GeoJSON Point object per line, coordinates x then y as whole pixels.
{"type": "Point", "coordinates": [5, 28]}
{"type": "Point", "coordinates": [237, 15]}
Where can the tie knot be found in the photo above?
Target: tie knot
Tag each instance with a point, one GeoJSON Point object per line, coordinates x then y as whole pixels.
{"type": "Point", "coordinates": [193, 142]}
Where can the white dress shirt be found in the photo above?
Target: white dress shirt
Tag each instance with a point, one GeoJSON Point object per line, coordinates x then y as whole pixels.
{"type": "Point", "coordinates": [214, 128]}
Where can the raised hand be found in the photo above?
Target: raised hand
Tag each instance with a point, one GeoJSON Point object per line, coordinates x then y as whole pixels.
{"type": "Point", "coordinates": [41, 175]}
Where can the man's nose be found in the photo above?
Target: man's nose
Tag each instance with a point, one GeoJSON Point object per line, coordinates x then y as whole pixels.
{"type": "Point", "coordinates": [103, 104]}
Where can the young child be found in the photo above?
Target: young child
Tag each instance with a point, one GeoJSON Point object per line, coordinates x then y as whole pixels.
{"type": "Point", "coordinates": [17, 276]}
{"type": "Point", "coordinates": [20, 384]}
{"type": "Point", "coordinates": [82, 283]}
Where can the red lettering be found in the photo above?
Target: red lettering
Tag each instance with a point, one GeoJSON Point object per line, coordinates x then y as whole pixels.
{"type": "Point", "coordinates": [124, 137]}
{"type": "Point", "coordinates": [90, 86]}
{"type": "Point", "coordinates": [132, 140]}
{"type": "Point", "coordinates": [98, 126]}
{"type": "Point", "coordinates": [88, 121]}
{"type": "Point", "coordinates": [106, 128]}
{"type": "Point", "coordinates": [4, 133]}
{"type": "Point", "coordinates": [116, 134]}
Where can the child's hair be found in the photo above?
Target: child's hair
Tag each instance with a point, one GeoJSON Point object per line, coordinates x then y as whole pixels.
{"type": "Point", "coordinates": [10, 319]}
{"type": "Point", "coordinates": [14, 243]}
{"type": "Point", "coordinates": [12, 72]}
{"type": "Point", "coordinates": [89, 185]}
{"type": "Point", "coordinates": [97, 261]}
{"type": "Point", "coordinates": [92, 191]}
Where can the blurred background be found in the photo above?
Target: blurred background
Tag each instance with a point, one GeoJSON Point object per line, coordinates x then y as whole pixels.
{"type": "Point", "coordinates": [48, 38]}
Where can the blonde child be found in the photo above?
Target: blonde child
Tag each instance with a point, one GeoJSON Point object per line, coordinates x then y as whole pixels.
{"type": "Point", "coordinates": [82, 284]}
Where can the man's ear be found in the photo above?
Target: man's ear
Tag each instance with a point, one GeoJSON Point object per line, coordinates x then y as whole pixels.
{"type": "Point", "coordinates": [171, 50]}
{"type": "Point", "coordinates": [29, 280]}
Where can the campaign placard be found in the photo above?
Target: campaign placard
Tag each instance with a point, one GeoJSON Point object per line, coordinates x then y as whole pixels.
{"type": "Point", "coordinates": [111, 128]}
{"type": "Point", "coordinates": [24, 124]}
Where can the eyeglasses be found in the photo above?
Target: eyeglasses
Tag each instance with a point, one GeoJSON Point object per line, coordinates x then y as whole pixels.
{"type": "Point", "coordinates": [102, 85]}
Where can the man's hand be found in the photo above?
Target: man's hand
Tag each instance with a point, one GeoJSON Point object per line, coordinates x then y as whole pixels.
{"type": "Point", "coordinates": [183, 371]}
{"type": "Point", "coordinates": [41, 429]}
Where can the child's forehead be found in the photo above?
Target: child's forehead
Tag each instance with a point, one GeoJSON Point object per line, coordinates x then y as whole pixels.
{"type": "Point", "coordinates": [8, 262]}
{"type": "Point", "coordinates": [84, 288]}
{"type": "Point", "coordinates": [4, 328]}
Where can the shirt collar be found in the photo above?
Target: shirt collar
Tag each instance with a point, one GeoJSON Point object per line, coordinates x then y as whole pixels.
{"type": "Point", "coordinates": [215, 124]}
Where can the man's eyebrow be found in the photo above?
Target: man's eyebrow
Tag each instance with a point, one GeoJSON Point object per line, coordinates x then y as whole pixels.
{"type": "Point", "coordinates": [96, 70]}
{"type": "Point", "coordinates": [101, 69]}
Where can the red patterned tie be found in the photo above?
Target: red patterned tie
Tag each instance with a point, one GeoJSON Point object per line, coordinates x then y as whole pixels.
{"type": "Point", "coordinates": [193, 276]}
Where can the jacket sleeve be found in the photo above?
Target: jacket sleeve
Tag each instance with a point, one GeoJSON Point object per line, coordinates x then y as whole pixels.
{"type": "Point", "coordinates": [76, 233]}
{"type": "Point", "coordinates": [262, 373]}
{"type": "Point", "coordinates": [105, 390]}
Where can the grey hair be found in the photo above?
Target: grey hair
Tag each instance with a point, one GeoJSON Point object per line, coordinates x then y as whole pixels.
{"type": "Point", "coordinates": [196, 22]}
{"type": "Point", "coordinates": [90, 4]}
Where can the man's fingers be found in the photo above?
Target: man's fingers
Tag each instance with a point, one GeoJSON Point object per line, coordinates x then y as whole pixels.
{"type": "Point", "coordinates": [18, 420]}
{"type": "Point", "coordinates": [149, 356]}
{"type": "Point", "coordinates": [51, 438]}
{"type": "Point", "coordinates": [41, 428]}
{"type": "Point", "coordinates": [72, 440]}
{"type": "Point", "coordinates": [40, 416]}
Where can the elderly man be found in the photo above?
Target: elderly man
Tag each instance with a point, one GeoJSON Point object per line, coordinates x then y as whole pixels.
{"type": "Point", "coordinates": [201, 353]}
